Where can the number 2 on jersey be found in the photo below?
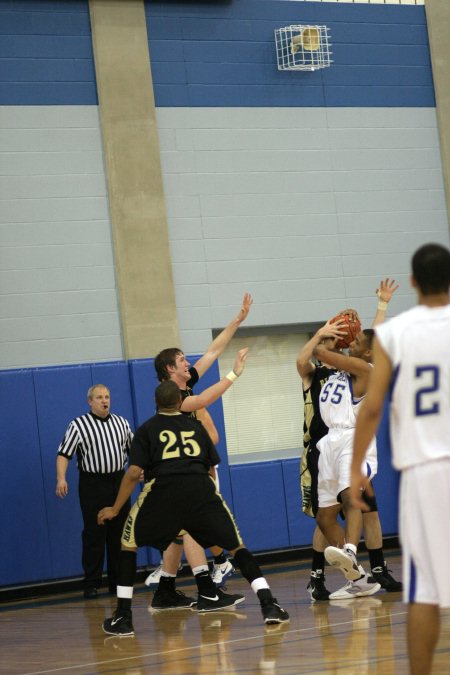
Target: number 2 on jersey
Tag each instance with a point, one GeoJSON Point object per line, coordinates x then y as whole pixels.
{"type": "Point", "coordinates": [171, 450]}
{"type": "Point", "coordinates": [432, 406]}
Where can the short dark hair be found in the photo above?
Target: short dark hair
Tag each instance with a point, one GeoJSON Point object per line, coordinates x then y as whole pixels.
{"type": "Point", "coordinates": [167, 395]}
{"type": "Point", "coordinates": [431, 269]}
{"type": "Point", "coordinates": [165, 358]}
{"type": "Point", "coordinates": [369, 334]}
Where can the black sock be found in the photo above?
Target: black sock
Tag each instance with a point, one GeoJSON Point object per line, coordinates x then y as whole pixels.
{"type": "Point", "coordinates": [265, 596]}
{"type": "Point", "coordinates": [247, 564]}
{"type": "Point", "coordinates": [123, 605]}
{"type": "Point", "coordinates": [205, 584]}
{"type": "Point", "coordinates": [376, 558]}
{"type": "Point", "coordinates": [127, 568]}
{"type": "Point", "coordinates": [318, 564]}
{"type": "Point", "coordinates": [166, 583]}
{"type": "Point", "coordinates": [220, 559]}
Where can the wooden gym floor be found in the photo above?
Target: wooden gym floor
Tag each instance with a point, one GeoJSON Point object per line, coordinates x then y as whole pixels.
{"type": "Point", "coordinates": [62, 634]}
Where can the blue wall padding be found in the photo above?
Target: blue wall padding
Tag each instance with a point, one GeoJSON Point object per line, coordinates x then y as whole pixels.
{"type": "Point", "coordinates": [36, 407]}
{"type": "Point", "coordinates": [223, 54]}
{"type": "Point", "coordinates": [61, 396]}
{"type": "Point", "coordinates": [143, 383]}
{"type": "Point", "coordinates": [24, 535]}
{"type": "Point", "coordinates": [300, 527]}
{"type": "Point", "coordinates": [259, 505]}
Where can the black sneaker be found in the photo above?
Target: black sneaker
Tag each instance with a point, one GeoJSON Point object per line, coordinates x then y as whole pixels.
{"type": "Point", "coordinates": [171, 599]}
{"type": "Point", "coordinates": [120, 624]}
{"type": "Point", "coordinates": [273, 613]}
{"type": "Point", "coordinates": [386, 580]}
{"type": "Point", "coordinates": [220, 600]}
{"type": "Point", "coordinates": [316, 588]}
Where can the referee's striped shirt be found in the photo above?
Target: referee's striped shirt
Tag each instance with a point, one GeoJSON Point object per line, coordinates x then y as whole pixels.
{"type": "Point", "coordinates": [102, 444]}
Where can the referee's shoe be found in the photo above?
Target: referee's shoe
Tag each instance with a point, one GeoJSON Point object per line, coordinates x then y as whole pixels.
{"type": "Point", "coordinates": [120, 624]}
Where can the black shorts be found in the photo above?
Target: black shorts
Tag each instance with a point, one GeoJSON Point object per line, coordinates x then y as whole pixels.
{"type": "Point", "coordinates": [170, 504]}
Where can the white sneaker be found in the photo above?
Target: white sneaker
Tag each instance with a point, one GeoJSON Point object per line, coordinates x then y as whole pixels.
{"type": "Point", "coordinates": [221, 573]}
{"type": "Point", "coordinates": [345, 559]}
{"type": "Point", "coordinates": [356, 589]}
{"type": "Point", "coordinates": [152, 581]}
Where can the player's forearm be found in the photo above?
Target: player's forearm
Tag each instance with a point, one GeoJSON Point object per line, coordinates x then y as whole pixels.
{"type": "Point", "coordinates": [207, 397]}
{"type": "Point", "coordinates": [129, 482]}
{"type": "Point", "coordinates": [305, 354]}
{"type": "Point", "coordinates": [380, 315]}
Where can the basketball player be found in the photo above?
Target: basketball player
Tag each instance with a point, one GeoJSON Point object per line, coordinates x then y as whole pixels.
{"type": "Point", "coordinates": [313, 378]}
{"type": "Point", "coordinates": [171, 364]}
{"type": "Point", "coordinates": [176, 454]}
{"type": "Point", "coordinates": [411, 362]}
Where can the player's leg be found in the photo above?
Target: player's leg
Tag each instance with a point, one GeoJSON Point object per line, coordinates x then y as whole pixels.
{"type": "Point", "coordinates": [222, 567]}
{"type": "Point", "coordinates": [169, 566]}
{"type": "Point", "coordinates": [316, 585]}
{"type": "Point", "coordinates": [214, 522]}
{"type": "Point", "coordinates": [272, 612]}
{"type": "Point", "coordinates": [166, 595]}
{"type": "Point", "coordinates": [422, 632]}
{"type": "Point", "coordinates": [373, 537]}
{"type": "Point", "coordinates": [121, 623]}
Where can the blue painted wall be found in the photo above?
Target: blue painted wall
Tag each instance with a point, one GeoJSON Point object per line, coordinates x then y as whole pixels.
{"type": "Point", "coordinates": [223, 54]}
{"type": "Point", "coordinates": [43, 533]}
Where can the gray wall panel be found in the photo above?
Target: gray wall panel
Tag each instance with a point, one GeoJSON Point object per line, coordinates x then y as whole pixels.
{"type": "Point", "coordinates": [307, 209]}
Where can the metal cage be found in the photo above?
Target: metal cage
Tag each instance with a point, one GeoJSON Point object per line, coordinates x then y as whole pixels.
{"type": "Point", "coordinates": [302, 47]}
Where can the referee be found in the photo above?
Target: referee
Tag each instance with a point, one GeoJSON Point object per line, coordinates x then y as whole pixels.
{"type": "Point", "coordinates": [102, 442]}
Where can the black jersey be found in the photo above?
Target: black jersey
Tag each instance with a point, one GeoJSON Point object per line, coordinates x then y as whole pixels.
{"type": "Point", "coordinates": [188, 391]}
{"type": "Point", "coordinates": [314, 428]}
{"type": "Point", "coordinates": [172, 445]}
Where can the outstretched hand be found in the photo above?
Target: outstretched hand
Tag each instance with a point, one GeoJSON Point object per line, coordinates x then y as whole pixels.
{"type": "Point", "coordinates": [386, 289]}
{"type": "Point", "coordinates": [246, 304]}
{"type": "Point", "coordinates": [239, 364]}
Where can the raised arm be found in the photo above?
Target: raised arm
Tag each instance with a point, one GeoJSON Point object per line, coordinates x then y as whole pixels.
{"type": "Point", "coordinates": [385, 291]}
{"type": "Point", "coordinates": [305, 366]}
{"type": "Point", "coordinates": [192, 403]}
{"type": "Point", "coordinates": [217, 346]}
{"type": "Point", "coordinates": [368, 420]}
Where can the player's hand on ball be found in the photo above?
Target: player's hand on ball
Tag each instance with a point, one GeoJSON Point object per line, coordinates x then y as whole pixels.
{"type": "Point", "coordinates": [332, 330]}
{"type": "Point", "coordinates": [386, 289]}
{"type": "Point", "coordinates": [239, 364]}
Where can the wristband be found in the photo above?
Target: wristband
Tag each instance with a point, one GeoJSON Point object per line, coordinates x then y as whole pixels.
{"type": "Point", "coordinates": [231, 376]}
{"type": "Point", "coordinates": [382, 305]}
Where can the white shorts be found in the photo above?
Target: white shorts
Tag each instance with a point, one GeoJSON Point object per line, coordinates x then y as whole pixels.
{"type": "Point", "coordinates": [425, 532]}
{"type": "Point", "coordinates": [336, 449]}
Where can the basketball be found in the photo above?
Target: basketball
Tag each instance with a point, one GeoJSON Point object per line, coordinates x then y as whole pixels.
{"type": "Point", "coordinates": [352, 328]}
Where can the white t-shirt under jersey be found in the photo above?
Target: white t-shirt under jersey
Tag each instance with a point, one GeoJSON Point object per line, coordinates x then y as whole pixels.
{"type": "Point", "coordinates": [418, 345]}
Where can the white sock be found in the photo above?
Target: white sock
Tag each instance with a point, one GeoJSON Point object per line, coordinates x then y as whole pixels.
{"type": "Point", "coordinates": [200, 568]}
{"type": "Point", "coordinates": [259, 584]}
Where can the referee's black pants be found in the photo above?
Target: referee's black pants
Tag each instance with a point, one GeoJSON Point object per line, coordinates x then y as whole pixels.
{"type": "Point", "coordinates": [97, 491]}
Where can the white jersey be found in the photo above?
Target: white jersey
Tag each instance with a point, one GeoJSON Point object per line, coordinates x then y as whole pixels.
{"type": "Point", "coordinates": [418, 344]}
{"type": "Point", "coordinates": [338, 408]}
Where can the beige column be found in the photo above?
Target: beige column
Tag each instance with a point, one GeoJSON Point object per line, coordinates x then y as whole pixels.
{"type": "Point", "coordinates": [438, 23]}
{"type": "Point", "coordinates": [133, 173]}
